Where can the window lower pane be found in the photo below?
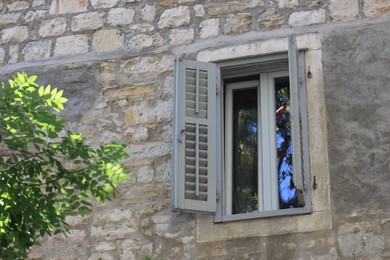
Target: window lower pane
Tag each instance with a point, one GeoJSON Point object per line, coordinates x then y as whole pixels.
{"type": "Point", "coordinates": [245, 155]}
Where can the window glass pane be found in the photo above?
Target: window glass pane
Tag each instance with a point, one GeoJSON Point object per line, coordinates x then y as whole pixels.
{"type": "Point", "coordinates": [287, 190]}
{"type": "Point", "coordinates": [245, 158]}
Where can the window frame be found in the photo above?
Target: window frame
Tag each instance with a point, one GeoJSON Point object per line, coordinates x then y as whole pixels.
{"type": "Point", "coordinates": [215, 198]}
{"type": "Point", "coordinates": [300, 103]}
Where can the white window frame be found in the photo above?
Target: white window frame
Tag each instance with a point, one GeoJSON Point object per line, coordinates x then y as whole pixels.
{"type": "Point", "coordinates": [267, 152]}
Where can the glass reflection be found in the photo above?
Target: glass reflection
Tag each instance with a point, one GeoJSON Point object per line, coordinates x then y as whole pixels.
{"type": "Point", "coordinates": [245, 157]}
{"type": "Point", "coordinates": [287, 190]}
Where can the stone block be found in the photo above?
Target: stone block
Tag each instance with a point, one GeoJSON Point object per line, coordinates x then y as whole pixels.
{"type": "Point", "coordinates": [37, 3]}
{"type": "Point", "coordinates": [37, 50]}
{"type": "Point", "coordinates": [343, 10]}
{"type": "Point", "coordinates": [269, 20]}
{"type": "Point", "coordinates": [209, 28]}
{"type": "Point", "coordinates": [375, 8]}
{"type": "Point", "coordinates": [120, 16]}
{"type": "Point", "coordinates": [288, 4]}
{"type": "Point", "coordinates": [17, 6]}
{"type": "Point", "coordinates": [68, 6]}
{"type": "Point", "coordinates": [127, 91]}
{"type": "Point", "coordinates": [181, 36]}
{"type": "Point", "coordinates": [71, 45]}
{"type": "Point", "coordinates": [34, 15]}
{"type": "Point", "coordinates": [13, 54]}
{"type": "Point", "coordinates": [178, 16]}
{"type": "Point", "coordinates": [233, 6]}
{"type": "Point", "coordinates": [107, 40]}
{"type": "Point", "coordinates": [199, 10]}
{"type": "Point", "coordinates": [142, 27]}
{"type": "Point", "coordinates": [145, 174]}
{"type": "Point", "coordinates": [14, 34]}
{"type": "Point", "coordinates": [148, 13]}
{"type": "Point", "coordinates": [52, 27]}
{"type": "Point", "coordinates": [141, 135]}
{"type": "Point", "coordinates": [87, 21]}
{"type": "Point", "coordinates": [237, 23]}
{"type": "Point", "coordinates": [97, 4]}
{"type": "Point", "coordinates": [9, 19]}
{"type": "Point", "coordinates": [144, 41]}
{"type": "Point", "coordinates": [305, 18]}
{"type": "Point", "coordinates": [166, 2]}
{"type": "Point", "coordinates": [105, 246]}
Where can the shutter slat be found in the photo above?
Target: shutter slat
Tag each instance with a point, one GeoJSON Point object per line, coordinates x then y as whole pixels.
{"type": "Point", "coordinates": [195, 128]}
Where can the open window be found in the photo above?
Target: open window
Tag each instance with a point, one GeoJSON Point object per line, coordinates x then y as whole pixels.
{"type": "Point", "coordinates": [240, 137]}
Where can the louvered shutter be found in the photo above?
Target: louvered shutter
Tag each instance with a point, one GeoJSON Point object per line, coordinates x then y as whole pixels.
{"type": "Point", "coordinates": [296, 123]}
{"type": "Point", "coordinates": [194, 180]}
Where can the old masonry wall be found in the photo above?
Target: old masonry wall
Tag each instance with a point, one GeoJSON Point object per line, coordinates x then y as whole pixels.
{"type": "Point", "coordinates": [114, 59]}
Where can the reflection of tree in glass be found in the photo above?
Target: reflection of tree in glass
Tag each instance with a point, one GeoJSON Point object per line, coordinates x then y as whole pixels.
{"type": "Point", "coordinates": [245, 197]}
{"type": "Point", "coordinates": [287, 190]}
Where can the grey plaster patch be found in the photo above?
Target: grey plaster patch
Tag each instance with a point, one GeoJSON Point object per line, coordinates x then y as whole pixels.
{"type": "Point", "coordinates": [357, 89]}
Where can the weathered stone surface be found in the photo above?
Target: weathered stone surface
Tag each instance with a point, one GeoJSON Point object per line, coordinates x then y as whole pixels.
{"type": "Point", "coordinates": [87, 21]}
{"type": "Point", "coordinates": [233, 6]}
{"type": "Point", "coordinates": [14, 34]}
{"type": "Point", "coordinates": [103, 3]}
{"type": "Point", "coordinates": [34, 15]}
{"type": "Point", "coordinates": [9, 19]}
{"type": "Point", "coordinates": [102, 256]}
{"type": "Point", "coordinates": [2, 55]}
{"type": "Point", "coordinates": [145, 174]}
{"type": "Point", "coordinates": [68, 6]}
{"type": "Point", "coordinates": [37, 50]}
{"type": "Point", "coordinates": [288, 4]}
{"type": "Point", "coordinates": [107, 40]}
{"type": "Point", "coordinates": [181, 36]}
{"type": "Point", "coordinates": [37, 3]}
{"type": "Point", "coordinates": [344, 10]}
{"type": "Point", "coordinates": [71, 45]}
{"type": "Point", "coordinates": [305, 18]}
{"type": "Point", "coordinates": [17, 6]}
{"type": "Point", "coordinates": [356, 118]}
{"type": "Point", "coordinates": [148, 13]}
{"type": "Point", "coordinates": [269, 20]}
{"type": "Point", "coordinates": [143, 41]}
{"type": "Point", "coordinates": [175, 17]}
{"type": "Point", "coordinates": [120, 16]}
{"type": "Point", "coordinates": [199, 10]}
{"type": "Point", "coordinates": [375, 8]}
{"type": "Point", "coordinates": [237, 23]}
{"type": "Point", "coordinates": [359, 240]}
{"type": "Point", "coordinates": [13, 54]}
{"type": "Point", "coordinates": [52, 27]}
{"type": "Point", "coordinates": [209, 28]}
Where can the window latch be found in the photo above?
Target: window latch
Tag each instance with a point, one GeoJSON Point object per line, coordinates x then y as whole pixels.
{"type": "Point", "coordinates": [181, 133]}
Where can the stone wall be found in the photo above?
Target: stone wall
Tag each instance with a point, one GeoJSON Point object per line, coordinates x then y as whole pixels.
{"type": "Point", "coordinates": [114, 58]}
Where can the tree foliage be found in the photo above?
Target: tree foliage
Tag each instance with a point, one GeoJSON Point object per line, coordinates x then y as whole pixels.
{"type": "Point", "coordinates": [46, 173]}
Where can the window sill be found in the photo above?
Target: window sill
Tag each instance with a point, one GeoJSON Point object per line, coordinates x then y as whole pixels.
{"type": "Point", "coordinates": [209, 231]}
{"type": "Point", "coordinates": [266, 214]}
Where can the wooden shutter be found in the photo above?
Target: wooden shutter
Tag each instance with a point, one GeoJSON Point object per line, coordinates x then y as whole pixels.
{"type": "Point", "coordinates": [194, 180]}
{"type": "Point", "coordinates": [296, 132]}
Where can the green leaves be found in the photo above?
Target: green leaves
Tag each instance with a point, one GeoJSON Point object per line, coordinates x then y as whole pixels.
{"type": "Point", "coordinates": [46, 175]}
